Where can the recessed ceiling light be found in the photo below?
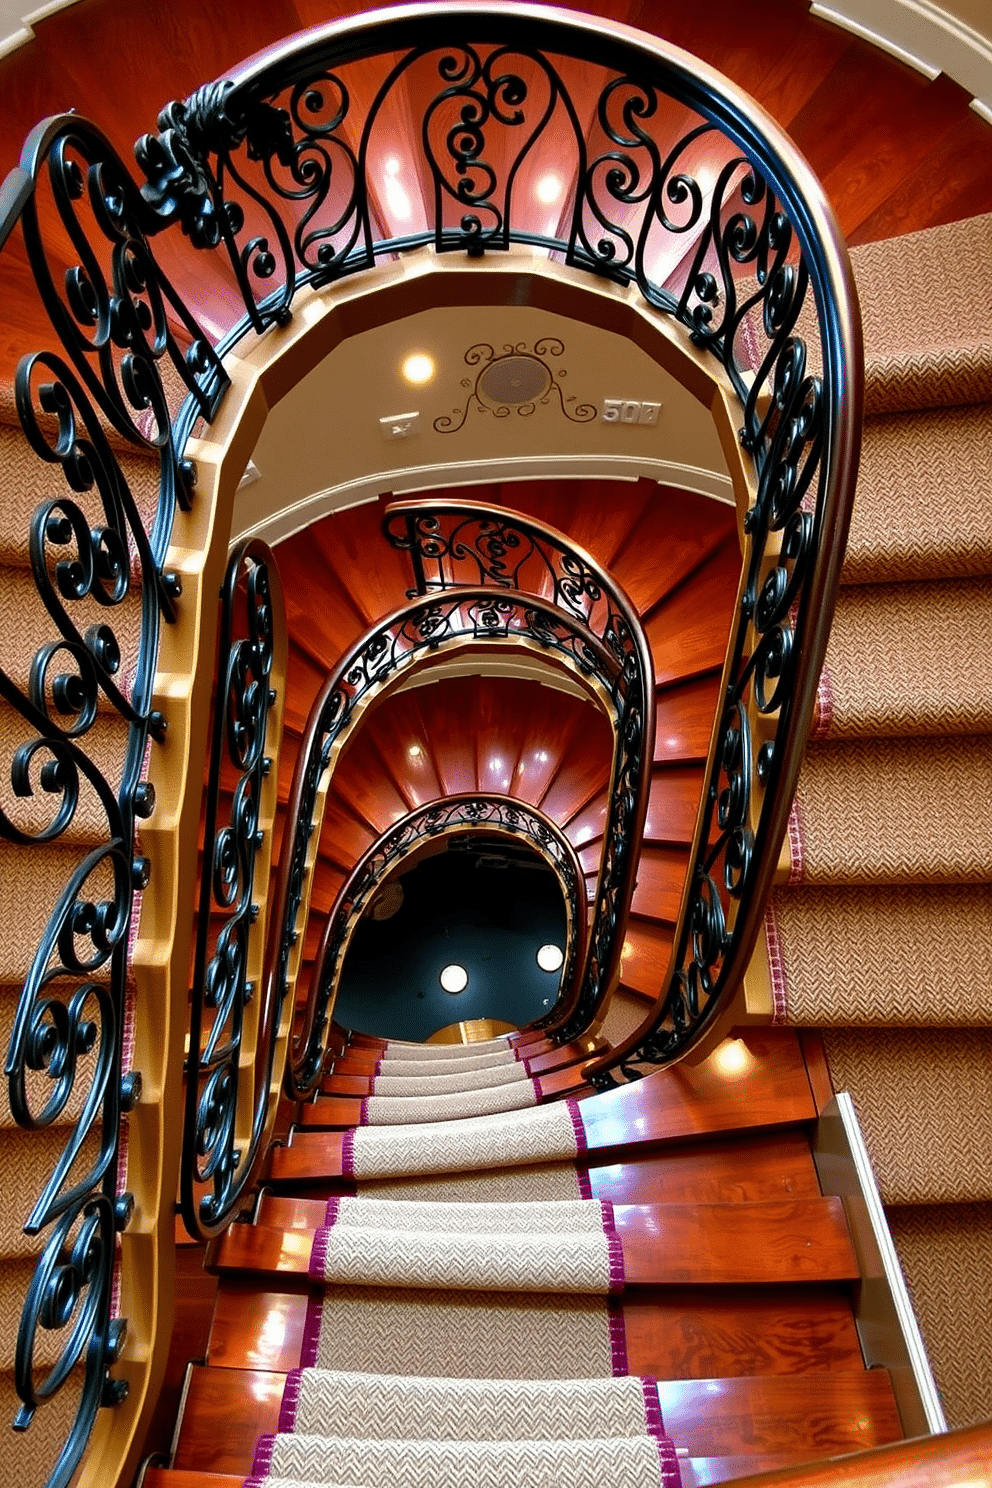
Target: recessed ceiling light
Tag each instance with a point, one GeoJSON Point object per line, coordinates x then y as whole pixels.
{"type": "Point", "coordinates": [548, 189]}
{"type": "Point", "coordinates": [550, 957]}
{"type": "Point", "coordinates": [454, 978]}
{"type": "Point", "coordinates": [418, 368]}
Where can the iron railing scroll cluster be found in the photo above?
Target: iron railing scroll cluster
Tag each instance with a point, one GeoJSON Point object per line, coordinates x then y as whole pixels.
{"type": "Point", "coordinates": [234, 1035]}
{"type": "Point", "coordinates": [467, 813]}
{"type": "Point", "coordinates": [78, 724]}
{"type": "Point", "coordinates": [459, 542]}
{"type": "Point", "coordinates": [673, 181]}
{"type": "Point", "coordinates": [424, 628]}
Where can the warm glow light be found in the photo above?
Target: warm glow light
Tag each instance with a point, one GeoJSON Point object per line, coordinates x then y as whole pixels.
{"type": "Point", "coordinates": [454, 978]}
{"type": "Point", "coordinates": [550, 957]}
{"type": "Point", "coordinates": [732, 1057]}
{"type": "Point", "coordinates": [391, 165]}
{"type": "Point", "coordinates": [548, 189]}
{"type": "Point", "coordinates": [418, 368]}
{"type": "Point", "coordinates": [415, 751]}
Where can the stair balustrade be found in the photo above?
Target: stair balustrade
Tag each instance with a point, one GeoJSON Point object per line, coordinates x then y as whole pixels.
{"type": "Point", "coordinates": [237, 1042]}
{"type": "Point", "coordinates": [412, 636]}
{"type": "Point", "coordinates": [723, 231]}
{"type": "Point", "coordinates": [488, 813]}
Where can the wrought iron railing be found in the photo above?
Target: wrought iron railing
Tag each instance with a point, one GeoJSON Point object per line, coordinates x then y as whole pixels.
{"type": "Point", "coordinates": [467, 542]}
{"type": "Point", "coordinates": [79, 721]}
{"type": "Point", "coordinates": [234, 1035]}
{"type": "Point", "coordinates": [720, 226]}
{"type": "Point", "coordinates": [411, 635]}
{"type": "Point", "coordinates": [468, 813]}
{"type": "Point", "coordinates": [671, 180]}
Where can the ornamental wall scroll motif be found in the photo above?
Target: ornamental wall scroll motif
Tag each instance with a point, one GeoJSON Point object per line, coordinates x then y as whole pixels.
{"type": "Point", "coordinates": [519, 379]}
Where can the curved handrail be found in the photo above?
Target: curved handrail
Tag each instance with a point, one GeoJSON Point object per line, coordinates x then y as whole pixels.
{"type": "Point", "coordinates": [247, 162]}
{"type": "Point", "coordinates": [231, 1075]}
{"type": "Point", "coordinates": [97, 559]}
{"type": "Point", "coordinates": [469, 811]}
{"type": "Point", "coordinates": [417, 630]}
{"type": "Point", "coordinates": [510, 550]}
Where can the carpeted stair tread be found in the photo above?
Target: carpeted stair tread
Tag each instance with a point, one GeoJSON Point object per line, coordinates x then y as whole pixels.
{"type": "Point", "coordinates": [28, 1455]}
{"type": "Point", "coordinates": [625, 1013]}
{"type": "Point", "coordinates": [580, 1216]}
{"type": "Point", "coordinates": [542, 1182]}
{"type": "Point", "coordinates": [873, 955]}
{"type": "Point", "coordinates": [400, 1110]}
{"type": "Point", "coordinates": [28, 481]}
{"type": "Point", "coordinates": [31, 883]}
{"type": "Point", "coordinates": [623, 1462]}
{"type": "Point", "coordinates": [470, 1335]}
{"type": "Point", "coordinates": [421, 1068]}
{"type": "Point", "coordinates": [908, 659]}
{"type": "Point", "coordinates": [320, 1402]}
{"type": "Point", "coordinates": [539, 1135]}
{"type": "Point", "coordinates": [445, 1084]}
{"type": "Point", "coordinates": [405, 1049]}
{"type": "Point", "coordinates": [924, 346]}
{"type": "Point", "coordinates": [889, 811]}
{"type": "Point", "coordinates": [899, 530]}
{"type": "Point", "coordinates": [923, 1097]}
{"type": "Point", "coordinates": [26, 1165]}
{"type": "Point", "coordinates": [569, 1261]}
{"type": "Point", "coordinates": [924, 505]}
{"type": "Point", "coordinates": [945, 1252]}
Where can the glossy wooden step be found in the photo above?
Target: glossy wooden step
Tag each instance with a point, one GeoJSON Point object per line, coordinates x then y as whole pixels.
{"type": "Point", "coordinates": [809, 1415]}
{"type": "Point", "coordinates": [765, 1085]}
{"type": "Point", "coordinates": [671, 1333]}
{"type": "Point", "coordinates": [663, 1245]}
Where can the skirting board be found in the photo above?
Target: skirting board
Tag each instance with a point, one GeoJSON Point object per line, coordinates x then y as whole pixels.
{"type": "Point", "coordinates": [887, 1327]}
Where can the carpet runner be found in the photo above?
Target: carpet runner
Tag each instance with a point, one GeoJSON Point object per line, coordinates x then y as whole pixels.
{"type": "Point", "coordinates": [883, 936]}
{"type": "Point", "coordinates": [549, 1133]}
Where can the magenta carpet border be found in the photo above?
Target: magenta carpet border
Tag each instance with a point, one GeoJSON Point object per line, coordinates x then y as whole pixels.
{"type": "Point", "coordinates": [618, 1336]}
{"type": "Point", "coordinates": [614, 1248]}
{"type": "Point", "coordinates": [585, 1183]}
{"type": "Point", "coordinates": [290, 1401]}
{"type": "Point", "coordinates": [262, 1460]}
{"type": "Point", "coordinates": [348, 1154]}
{"type": "Point", "coordinates": [581, 1140]}
{"type": "Point", "coordinates": [310, 1347]}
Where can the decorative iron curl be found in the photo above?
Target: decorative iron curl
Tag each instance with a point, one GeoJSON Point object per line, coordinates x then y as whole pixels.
{"type": "Point", "coordinates": [218, 1158]}
{"type": "Point", "coordinates": [491, 812]}
{"type": "Point", "coordinates": [96, 562]}
{"type": "Point", "coordinates": [452, 542]}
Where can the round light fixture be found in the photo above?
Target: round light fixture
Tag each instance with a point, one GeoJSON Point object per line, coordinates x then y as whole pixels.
{"type": "Point", "coordinates": [549, 189]}
{"type": "Point", "coordinates": [454, 978]}
{"type": "Point", "coordinates": [418, 368]}
{"type": "Point", "coordinates": [550, 957]}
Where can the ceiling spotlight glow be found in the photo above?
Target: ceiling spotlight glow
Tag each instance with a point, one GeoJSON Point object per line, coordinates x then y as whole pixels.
{"type": "Point", "coordinates": [418, 368]}
{"type": "Point", "coordinates": [550, 957]}
{"type": "Point", "coordinates": [549, 189]}
{"type": "Point", "coordinates": [454, 978]}
{"type": "Point", "coordinates": [415, 751]}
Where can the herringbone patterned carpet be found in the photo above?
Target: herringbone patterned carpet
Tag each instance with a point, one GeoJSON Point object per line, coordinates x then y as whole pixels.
{"type": "Point", "coordinates": [883, 937]}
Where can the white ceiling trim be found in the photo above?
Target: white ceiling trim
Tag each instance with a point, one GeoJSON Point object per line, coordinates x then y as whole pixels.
{"type": "Point", "coordinates": [292, 519]}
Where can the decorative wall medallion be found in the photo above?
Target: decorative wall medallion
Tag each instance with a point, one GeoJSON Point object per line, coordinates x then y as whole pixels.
{"type": "Point", "coordinates": [517, 380]}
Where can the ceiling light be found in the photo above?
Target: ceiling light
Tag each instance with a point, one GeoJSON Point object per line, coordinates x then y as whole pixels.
{"type": "Point", "coordinates": [548, 189]}
{"type": "Point", "coordinates": [418, 368]}
{"type": "Point", "coordinates": [550, 957]}
{"type": "Point", "coordinates": [415, 751]}
{"type": "Point", "coordinates": [454, 978]}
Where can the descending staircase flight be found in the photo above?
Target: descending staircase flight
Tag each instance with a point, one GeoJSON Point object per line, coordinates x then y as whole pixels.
{"type": "Point", "coordinates": [463, 1264]}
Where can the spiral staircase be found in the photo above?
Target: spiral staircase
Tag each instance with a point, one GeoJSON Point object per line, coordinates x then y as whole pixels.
{"type": "Point", "coordinates": [747, 1279]}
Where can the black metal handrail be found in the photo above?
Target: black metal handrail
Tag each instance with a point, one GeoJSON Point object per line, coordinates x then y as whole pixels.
{"type": "Point", "coordinates": [96, 554]}
{"type": "Point", "coordinates": [229, 1067]}
{"type": "Point", "coordinates": [419, 630]}
{"type": "Point", "coordinates": [453, 542]}
{"type": "Point", "coordinates": [467, 812]}
{"type": "Point", "coordinates": [272, 164]}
